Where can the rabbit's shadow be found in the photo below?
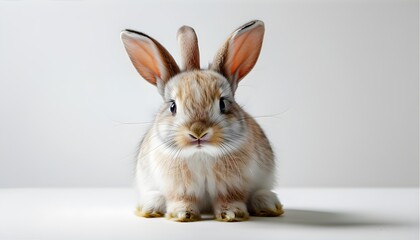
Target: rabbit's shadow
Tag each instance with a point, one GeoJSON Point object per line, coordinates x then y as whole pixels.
{"type": "Point", "coordinates": [325, 219]}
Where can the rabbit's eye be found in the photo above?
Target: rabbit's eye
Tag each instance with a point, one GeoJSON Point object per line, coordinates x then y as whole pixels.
{"type": "Point", "coordinates": [173, 107]}
{"type": "Point", "coordinates": [222, 105]}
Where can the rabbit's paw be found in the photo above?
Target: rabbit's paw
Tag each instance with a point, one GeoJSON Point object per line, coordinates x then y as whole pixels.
{"type": "Point", "coordinates": [231, 212]}
{"type": "Point", "coordinates": [265, 203]}
{"type": "Point", "coordinates": [152, 204]}
{"type": "Point", "coordinates": [182, 212]}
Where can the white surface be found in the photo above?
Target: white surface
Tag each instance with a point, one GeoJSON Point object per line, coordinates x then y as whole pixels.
{"type": "Point", "coordinates": [310, 214]}
{"type": "Point", "coordinates": [342, 74]}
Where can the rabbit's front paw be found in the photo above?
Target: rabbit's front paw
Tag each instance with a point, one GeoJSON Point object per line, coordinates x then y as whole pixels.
{"type": "Point", "coordinates": [231, 212]}
{"type": "Point", "coordinates": [265, 203]}
{"type": "Point", "coordinates": [182, 212]}
{"type": "Point", "coordinates": [148, 213]}
{"type": "Point", "coordinates": [152, 204]}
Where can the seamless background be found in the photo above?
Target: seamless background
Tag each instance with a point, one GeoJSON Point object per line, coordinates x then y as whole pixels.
{"type": "Point", "coordinates": [336, 87]}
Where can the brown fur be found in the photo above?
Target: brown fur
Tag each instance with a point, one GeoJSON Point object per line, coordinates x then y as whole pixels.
{"type": "Point", "coordinates": [237, 168]}
{"type": "Point", "coordinates": [198, 109]}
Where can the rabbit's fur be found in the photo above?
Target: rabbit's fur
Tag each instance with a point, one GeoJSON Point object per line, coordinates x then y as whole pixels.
{"type": "Point", "coordinates": [203, 151]}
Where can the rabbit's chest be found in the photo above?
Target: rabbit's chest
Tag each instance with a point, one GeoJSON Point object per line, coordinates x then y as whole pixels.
{"type": "Point", "coordinates": [200, 174]}
{"type": "Point", "coordinates": [210, 176]}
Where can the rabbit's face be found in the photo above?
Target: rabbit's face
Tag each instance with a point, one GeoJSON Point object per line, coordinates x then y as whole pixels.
{"type": "Point", "coordinates": [200, 114]}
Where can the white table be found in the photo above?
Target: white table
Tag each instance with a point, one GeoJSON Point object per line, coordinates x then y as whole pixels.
{"type": "Point", "coordinates": [93, 213]}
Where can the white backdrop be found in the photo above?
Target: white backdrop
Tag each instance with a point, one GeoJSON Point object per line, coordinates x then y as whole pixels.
{"type": "Point", "coordinates": [340, 80]}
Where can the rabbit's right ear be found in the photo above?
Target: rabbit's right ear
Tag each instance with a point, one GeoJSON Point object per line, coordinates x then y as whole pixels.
{"type": "Point", "coordinates": [150, 58]}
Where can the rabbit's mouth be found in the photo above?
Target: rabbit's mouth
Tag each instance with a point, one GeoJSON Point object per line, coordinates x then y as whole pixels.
{"type": "Point", "coordinates": [199, 143]}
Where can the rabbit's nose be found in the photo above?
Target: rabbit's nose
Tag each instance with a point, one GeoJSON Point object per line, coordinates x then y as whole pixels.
{"type": "Point", "coordinates": [196, 137]}
{"type": "Point", "coordinates": [198, 129]}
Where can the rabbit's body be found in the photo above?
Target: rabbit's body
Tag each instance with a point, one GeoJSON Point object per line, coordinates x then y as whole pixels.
{"type": "Point", "coordinates": [203, 152]}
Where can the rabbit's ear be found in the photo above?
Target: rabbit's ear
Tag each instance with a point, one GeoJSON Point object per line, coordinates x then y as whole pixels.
{"type": "Point", "coordinates": [188, 43]}
{"type": "Point", "coordinates": [150, 58]}
{"type": "Point", "coordinates": [240, 52]}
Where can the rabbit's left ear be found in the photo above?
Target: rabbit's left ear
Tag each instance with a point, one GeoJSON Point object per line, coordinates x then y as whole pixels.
{"type": "Point", "coordinates": [239, 54]}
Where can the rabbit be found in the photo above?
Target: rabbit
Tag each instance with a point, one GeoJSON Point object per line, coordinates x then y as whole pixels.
{"type": "Point", "coordinates": [203, 152]}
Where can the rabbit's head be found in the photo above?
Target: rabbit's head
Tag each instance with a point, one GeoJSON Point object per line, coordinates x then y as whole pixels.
{"type": "Point", "coordinates": [199, 112]}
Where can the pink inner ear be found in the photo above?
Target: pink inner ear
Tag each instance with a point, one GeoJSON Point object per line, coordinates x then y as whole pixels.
{"type": "Point", "coordinates": [142, 56]}
{"type": "Point", "coordinates": [244, 52]}
{"type": "Point", "coordinates": [238, 51]}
